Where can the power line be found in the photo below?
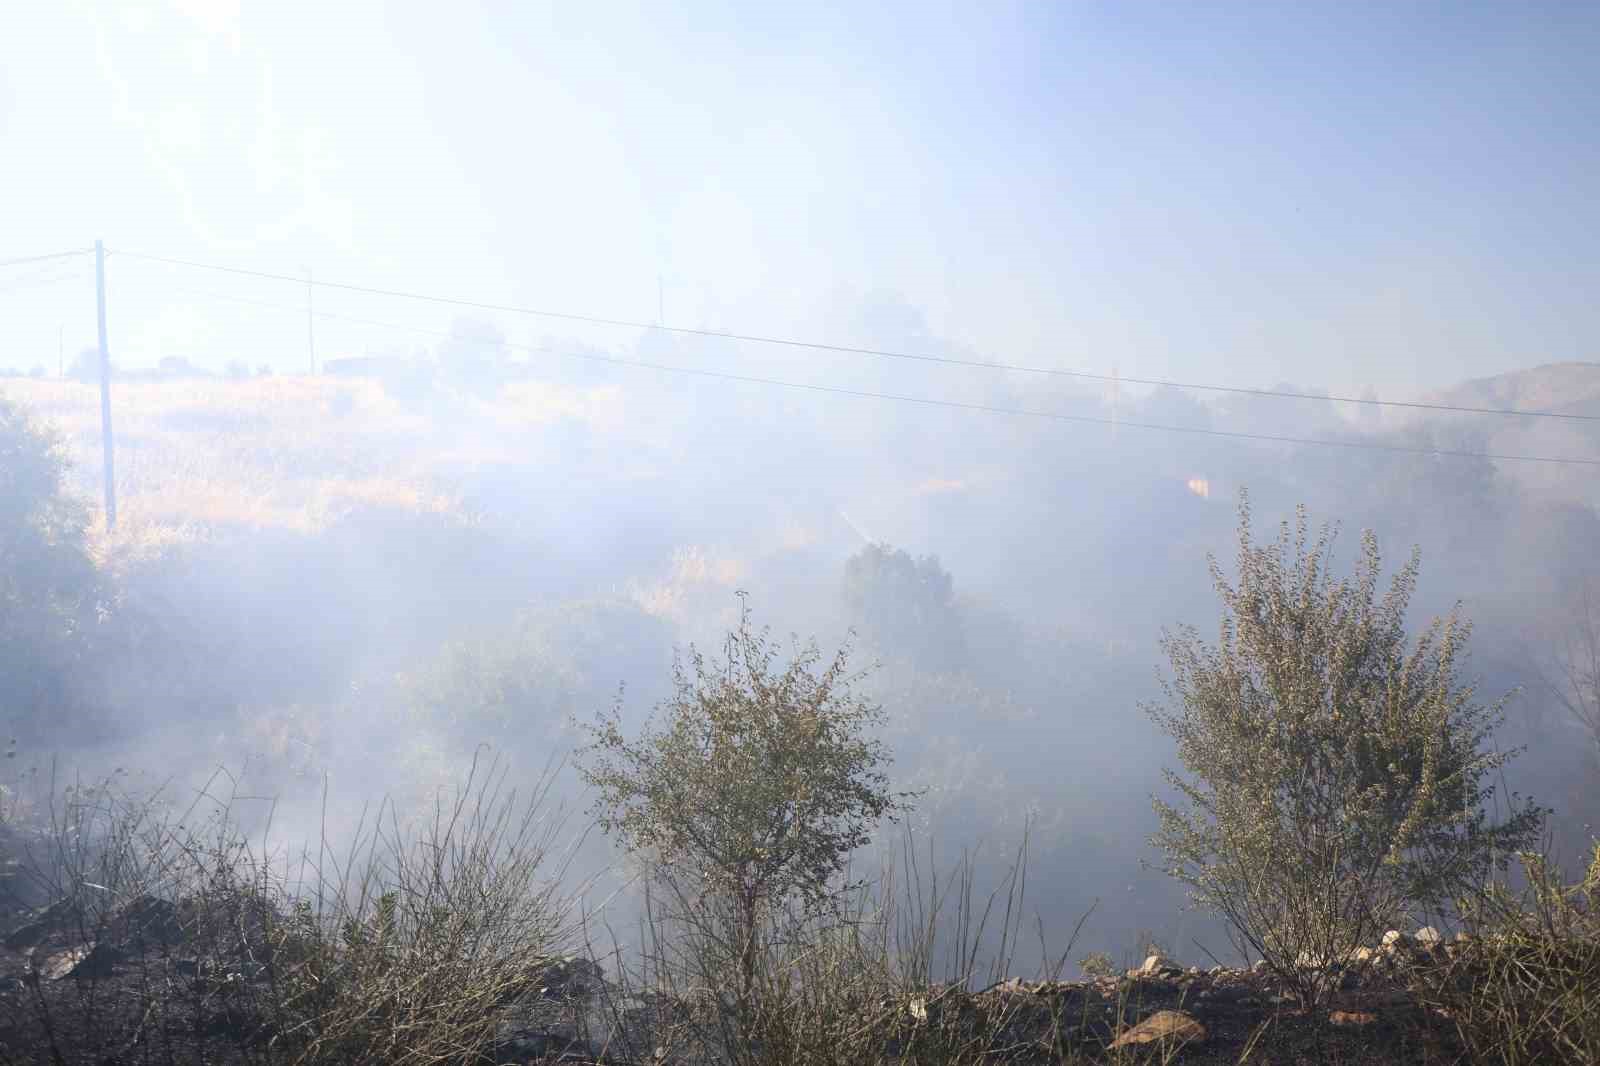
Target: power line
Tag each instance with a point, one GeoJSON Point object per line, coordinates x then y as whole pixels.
{"type": "Point", "coordinates": [876, 352]}
{"type": "Point", "coordinates": [933, 402]}
{"type": "Point", "coordinates": [31, 281]}
{"type": "Point", "coordinates": [42, 258]}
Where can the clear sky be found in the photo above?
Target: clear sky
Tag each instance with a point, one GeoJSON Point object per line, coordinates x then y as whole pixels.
{"type": "Point", "coordinates": [1343, 195]}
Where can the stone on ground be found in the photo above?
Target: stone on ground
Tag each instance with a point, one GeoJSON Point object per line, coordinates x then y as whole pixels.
{"type": "Point", "coordinates": [1155, 965]}
{"type": "Point", "coordinates": [1173, 1025]}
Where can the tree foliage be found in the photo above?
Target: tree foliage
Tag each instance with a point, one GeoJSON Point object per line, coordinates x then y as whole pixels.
{"type": "Point", "coordinates": [48, 583]}
{"type": "Point", "coordinates": [747, 791]}
{"type": "Point", "coordinates": [1335, 769]}
{"type": "Point", "coordinates": [904, 605]}
{"type": "Point", "coordinates": [530, 678]}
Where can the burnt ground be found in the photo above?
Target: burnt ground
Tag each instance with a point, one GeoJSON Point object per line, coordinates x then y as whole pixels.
{"type": "Point", "coordinates": [151, 982]}
{"type": "Point", "coordinates": [146, 983]}
{"type": "Point", "coordinates": [1242, 1015]}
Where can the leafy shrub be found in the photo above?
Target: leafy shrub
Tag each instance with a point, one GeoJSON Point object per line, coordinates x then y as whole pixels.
{"type": "Point", "coordinates": [533, 678]}
{"type": "Point", "coordinates": [1335, 775]}
{"type": "Point", "coordinates": [50, 600]}
{"type": "Point", "coordinates": [905, 606]}
{"type": "Point", "coordinates": [747, 797]}
{"type": "Point", "coordinates": [1097, 964]}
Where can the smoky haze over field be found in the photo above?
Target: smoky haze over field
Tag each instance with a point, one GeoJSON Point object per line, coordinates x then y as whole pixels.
{"type": "Point", "coordinates": [369, 587]}
{"type": "Point", "coordinates": [471, 527]}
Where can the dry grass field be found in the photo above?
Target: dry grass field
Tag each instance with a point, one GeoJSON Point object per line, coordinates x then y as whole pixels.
{"type": "Point", "coordinates": [200, 457]}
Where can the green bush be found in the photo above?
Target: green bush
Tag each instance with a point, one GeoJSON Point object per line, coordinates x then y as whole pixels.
{"type": "Point", "coordinates": [50, 593]}
{"type": "Point", "coordinates": [1335, 769]}
{"type": "Point", "coordinates": [746, 797]}
{"type": "Point", "coordinates": [1097, 964]}
{"type": "Point", "coordinates": [905, 607]}
{"type": "Point", "coordinates": [532, 678]}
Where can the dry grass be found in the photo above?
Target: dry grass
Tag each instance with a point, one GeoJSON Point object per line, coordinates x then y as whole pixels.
{"type": "Point", "coordinates": [198, 458]}
{"type": "Point", "coordinates": [406, 948]}
{"type": "Point", "coordinates": [1525, 988]}
{"type": "Point", "coordinates": [171, 938]}
{"type": "Point", "coordinates": [891, 976]}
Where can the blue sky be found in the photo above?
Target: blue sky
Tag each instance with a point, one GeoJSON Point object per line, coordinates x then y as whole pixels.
{"type": "Point", "coordinates": [1338, 195]}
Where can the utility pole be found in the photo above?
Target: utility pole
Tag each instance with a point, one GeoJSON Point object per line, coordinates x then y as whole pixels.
{"type": "Point", "coordinates": [311, 327]}
{"type": "Point", "coordinates": [105, 386]}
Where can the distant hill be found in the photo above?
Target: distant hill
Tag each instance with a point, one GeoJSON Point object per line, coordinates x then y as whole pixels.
{"type": "Point", "coordinates": [1555, 388]}
{"type": "Point", "coordinates": [1566, 388]}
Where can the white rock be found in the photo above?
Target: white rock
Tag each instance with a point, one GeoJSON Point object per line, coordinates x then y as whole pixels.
{"type": "Point", "coordinates": [1156, 964]}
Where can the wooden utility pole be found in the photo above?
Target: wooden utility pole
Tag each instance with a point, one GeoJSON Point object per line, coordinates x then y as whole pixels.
{"type": "Point", "coordinates": [105, 386]}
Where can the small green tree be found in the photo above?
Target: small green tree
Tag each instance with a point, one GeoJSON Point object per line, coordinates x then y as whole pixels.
{"type": "Point", "coordinates": [746, 794]}
{"type": "Point", "coordinates": [1335, 777]}
{"type": "Point", "coordinates": [49, 587]}
{"type": "Point", "coordinates": [905, 606]}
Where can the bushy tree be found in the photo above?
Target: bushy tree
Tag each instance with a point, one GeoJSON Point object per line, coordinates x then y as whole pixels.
{"type": "Point", "coordinates": [1335, 769]}
{"type": "Point", "coordinates": [48, 583]}
{"type": "Point", "coordinates": [904, 605]}
{"type": "Point", "coordinates": [746, 793]}
{"type": "Point", "coordinates": [531, 677]}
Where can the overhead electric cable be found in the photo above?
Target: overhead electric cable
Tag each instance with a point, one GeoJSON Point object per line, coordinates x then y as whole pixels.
{"type": "Point", "coordinates": [30, 281]}
{"type": "Point", "coordinates": [928, 401]}
{"type": "Point", "coordinates": [42, 258]}
{"type": "Point", "coordinates": [875, 352]}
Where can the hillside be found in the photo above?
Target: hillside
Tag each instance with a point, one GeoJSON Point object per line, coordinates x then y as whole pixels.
{"type": "Point", "coordinates": [1565, 388]}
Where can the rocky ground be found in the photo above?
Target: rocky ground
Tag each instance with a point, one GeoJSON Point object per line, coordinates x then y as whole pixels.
{"type": "Point", "coordinates": [1166, 1013]}
{"type": "Point", "coordinates": [142, 990]}
{"type": "Point", "coordinates": [138, 985]}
